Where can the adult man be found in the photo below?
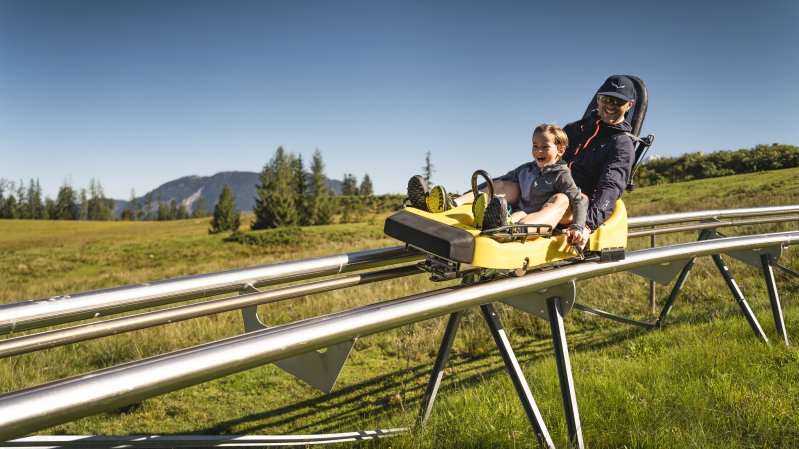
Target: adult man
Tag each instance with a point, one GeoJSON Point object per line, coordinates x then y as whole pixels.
{"type": "Point", "coordinates": [601, 153]}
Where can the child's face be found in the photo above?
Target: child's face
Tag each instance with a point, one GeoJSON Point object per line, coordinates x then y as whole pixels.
{"type": "Point", "coordinates": [545, 151]}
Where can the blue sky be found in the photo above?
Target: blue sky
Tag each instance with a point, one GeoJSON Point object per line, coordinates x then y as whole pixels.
{"type": "Point", "coordinates": [138, 93]}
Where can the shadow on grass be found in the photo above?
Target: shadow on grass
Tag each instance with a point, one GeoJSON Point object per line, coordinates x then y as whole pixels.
{"type": "Point", "coordinates": [381, 396]}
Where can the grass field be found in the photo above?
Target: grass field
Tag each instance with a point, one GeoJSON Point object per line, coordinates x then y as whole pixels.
{"type": "Point", "coordinates": [703, 381]}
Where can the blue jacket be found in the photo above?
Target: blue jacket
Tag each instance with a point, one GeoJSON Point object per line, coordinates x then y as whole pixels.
{"type": "Point", "coordinates": [601, 158]}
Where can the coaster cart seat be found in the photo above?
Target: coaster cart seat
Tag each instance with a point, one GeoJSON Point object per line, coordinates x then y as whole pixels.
{"type": "Point", "coordinates": [455, 246]}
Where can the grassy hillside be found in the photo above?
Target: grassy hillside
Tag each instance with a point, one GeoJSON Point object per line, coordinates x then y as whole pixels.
{"type": "Point", "coordinates": [704, 381]}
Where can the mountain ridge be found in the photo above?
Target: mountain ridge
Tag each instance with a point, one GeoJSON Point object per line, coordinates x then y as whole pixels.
{"type": "Point", "coordinates": [188, 190]}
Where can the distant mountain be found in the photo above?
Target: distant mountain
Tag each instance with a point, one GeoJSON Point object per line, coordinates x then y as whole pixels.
{"type": "Point", "coordinates": [189, 189]}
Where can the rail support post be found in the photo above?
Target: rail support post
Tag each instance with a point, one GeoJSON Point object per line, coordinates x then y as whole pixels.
{"type": "Point", "coordinates": [739, 298]}
{"type": "Point", "coordinates": [511, 364]}
{"type": "Point", "coordinates": [438, 368]}
{"type": "Point", "coordinates": [664, 313]}
{"type": "Point", "coordinates": [567, 389]}
{"type": "Point", "coordinates": [774, 298]}
{"type": "Point", "coordinates": [517, 376]}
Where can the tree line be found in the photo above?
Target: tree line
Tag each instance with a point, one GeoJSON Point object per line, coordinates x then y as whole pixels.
{"type": "Point", "coordinates": [17, 201]}
{"type": "Point", "coordinates": [720, 163]}
{"type": "Point", "coordinates": [287, 195]}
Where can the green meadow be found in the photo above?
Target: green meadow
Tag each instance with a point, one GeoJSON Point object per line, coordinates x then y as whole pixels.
{"type": "Point", "coordinates": [702, 381]}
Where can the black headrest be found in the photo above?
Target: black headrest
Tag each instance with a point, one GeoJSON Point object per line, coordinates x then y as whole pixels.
{"type": "Point", "coordinates": [635, 116]}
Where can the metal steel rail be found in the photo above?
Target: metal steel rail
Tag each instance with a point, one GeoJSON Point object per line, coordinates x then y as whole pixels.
{"type": "Point", "coordinates": [193, 441]}
{"type": "Point", "coordinates": [709, 225]}
{"type": "Point", "coordinates": [683, 217]}
{"type": "Point", "coordinates": [49, 404]}
{"type": "Point", "coordinates": [27, 315]}
{"type": "Point", "coordinates": [58, 337]}
{"type": "Point", "coordinates": [74, 307]}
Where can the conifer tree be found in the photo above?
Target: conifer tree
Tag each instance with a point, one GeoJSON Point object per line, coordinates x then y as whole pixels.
{"type": "Point", "coordinates": [49, 208]}
{"type": "Point", "coordinates": [302, 200]}
{"type": "Point", "coordinates": [148, 206]}
{"type": "Point", "coordinates": [428, 169]}
{"type": "Point", "coordinates": [226, 216]}
{"type": "Point", "coordinates": [129, 214]}
{"type": "Point", "coordinates": [22, 209]}
{"type": "Point", "coordinates": [162, 212]}
{"type": "Point", "coordinates": [2, 198]}
{"type": "Point", "coordinates": [181, 213]}
{"type": "Point", "coordinates": [98, 206]}
{"type": "Point", "coordinates": [173, 209]}
{"type": "Point", "coordinates": [34, 201]}
{"type": "Point", "coordinates": [366, 186]}
{"type": "Point", "coordinates": [275, 205]}
{"type": "Point", "coordinates": [201, 209]}
{"type": "Point", "coordinates": [8, 206]}
{"type": "Point", "coordinates": [350, 185]}
{"type": "Point", "coordinates": [66, 204]}
{"type": "Point", "coordinates": [11, 210]}
{"type": "Point", "coordinates": [83, 206]}
{"type": "Point", "coordinates": [321, 207]}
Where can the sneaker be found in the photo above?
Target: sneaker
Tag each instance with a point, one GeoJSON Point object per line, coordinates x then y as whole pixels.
{"type": "Point", "coordinates": [479, 209]}
{"type": "Point", "coordinates": [438, 200]}
{"type": "Point", "coordinates": [496, 214]}
{"type": "Point", "coordinates": [418, 190]}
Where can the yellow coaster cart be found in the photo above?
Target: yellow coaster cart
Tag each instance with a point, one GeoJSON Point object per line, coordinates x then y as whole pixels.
{"type": "Point", "coordinates": [454, 246]}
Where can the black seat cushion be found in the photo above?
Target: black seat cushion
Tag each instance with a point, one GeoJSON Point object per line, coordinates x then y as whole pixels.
{"type": "Point", "coordinates": [431, 236]}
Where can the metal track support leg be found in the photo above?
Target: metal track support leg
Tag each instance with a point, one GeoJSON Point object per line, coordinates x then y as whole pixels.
{"type": "Point", "coordinates": [739, 298]}
{"type": "Point", "coordinates": [438, 368]}
{"type": "Point", "coordinates": [517, 376]}
{"type": "Point", "coordinates": [686, 270]}
{"type": "Point", "coordinates": [567, 389]}
{"type": "Point", "coordinates": [774, 297]}
{"type": "Point", "coordinates": [664, 313]}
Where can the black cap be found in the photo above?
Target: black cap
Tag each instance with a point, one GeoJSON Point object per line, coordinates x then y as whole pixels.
{"type": "Point", "coordinates": [618, 86]}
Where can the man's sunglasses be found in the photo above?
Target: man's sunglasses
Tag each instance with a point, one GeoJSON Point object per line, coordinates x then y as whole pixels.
{"type": "Point", "coordinates": [606, 99]}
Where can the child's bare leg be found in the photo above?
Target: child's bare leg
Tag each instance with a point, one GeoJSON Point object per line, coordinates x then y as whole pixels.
{"type": "Point", "coordinates": [467, 197]}
{"type": "Point", "coordinates": [551, 212]}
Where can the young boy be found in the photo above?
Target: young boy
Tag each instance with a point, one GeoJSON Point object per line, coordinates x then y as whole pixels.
{"type": "Point", "coordinates": [530, 189]}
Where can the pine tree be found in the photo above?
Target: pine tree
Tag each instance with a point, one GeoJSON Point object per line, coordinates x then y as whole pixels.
{"type": "Point", "coordinates": [83, 213]}
{"type": "Point", "coordinates": [350, 185]}
{"type": "Point", "coordinates": [66, 204]}
{"type": "Point", "coordinates": [181, 213]}
{"type": "Point", "coordinates": [22, 209]}
{"type": "Point", "coordinates": [226, 216]}
{"type": "Point", "coordinates": [98, 206]}
{"type": "Point", "coordinates": [162, 212]}
{"type": "Point", "coordinates": [428, 169]}
{"type": "Point", "coordinates": [302, 200]}
{"type": "Point", "coordinates": [129, 214]}
{"type": "Point", "coordinates": [11, 210]}
{"type": "Point", "coordinates": [320, 207]}
{"type": "Point", "coordinates": [366, 186]}
{"type": "Point", "coordinates": [148, 206]}
{"type": "Point", "coordinates": [2, 198]}
{"type": "Point", "coordinates": [8, 206]}
{"type": "Point", "coordinates": [49, 208]}
{"type": "Point", "coordinates": [35, 203]}
{"type": "Point", "coordinates": [201, 209]}
{"type": "Point", "coordinates": [275, 205]}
